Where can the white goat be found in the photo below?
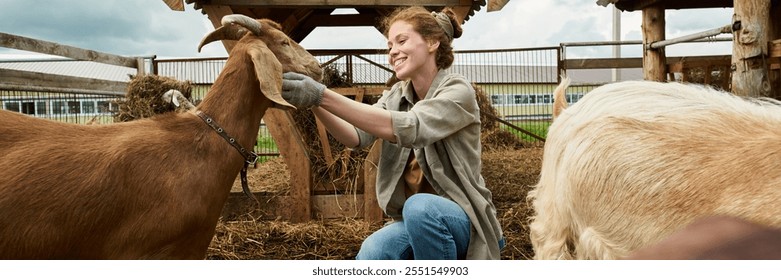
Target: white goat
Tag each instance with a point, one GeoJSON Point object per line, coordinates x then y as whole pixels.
{"type": "Point", "coordinates": [633, 162]}
{"type": "Point", "coordinates": [147, 189]}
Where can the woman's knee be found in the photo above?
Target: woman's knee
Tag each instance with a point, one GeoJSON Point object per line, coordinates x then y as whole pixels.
{"type": "Point", "coordinates": [373, 250]}
{"type": "Point", "coordinates": [388, 243]}
{"type": "Point", "coordinates": [426, 206]}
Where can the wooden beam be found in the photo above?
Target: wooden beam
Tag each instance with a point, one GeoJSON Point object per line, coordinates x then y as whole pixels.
{"type": "Point", "coordinates": [40, 46]}
{"type": "Point", "coordinates": [496, 5]}
{"type": "Point", "coordinates": [54, 81]}
{"type": "Point", "coordinates": [637, 5]}
{"type": "Point", "coordinates": [599, 63]}
{"type": "Point", "coordinates": [749, 48]}
{"type": "Point", "coordinates": [355, 91]}
{"type": "Point", "coordinates": [654, 66]}
{"type": "Point", "coordinates": [636, 62]}
{"type": "Point", "coordinates": [215, 14]}
{"type": "Point", "coordinates": [176, 5]}
{"type": "Point", "coordinates": [334, 3]}
{"type": "Point", "coordinates": [344, 20]}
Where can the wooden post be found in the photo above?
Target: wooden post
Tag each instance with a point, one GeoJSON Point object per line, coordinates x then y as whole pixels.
{"type": "Point", "coordinates": [654, 61]}
{"type": "Point", "coordinates": [749, 48]}
{"type": "Point", "coordinates": [371, 208]}
{"type": "Point", "coordinates": [291, 146]}
{"type": "Point", "coordinates": [140, 67]}
{"type": "Point", "coordinates": [774, 32]}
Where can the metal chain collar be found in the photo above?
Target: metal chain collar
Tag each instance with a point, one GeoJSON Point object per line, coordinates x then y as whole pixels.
{"type": "Point", "coordinates": [250, 157]}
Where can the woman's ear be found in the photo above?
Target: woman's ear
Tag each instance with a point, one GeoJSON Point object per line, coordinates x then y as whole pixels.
{"type": "Point", "coordinates": [433, 45]}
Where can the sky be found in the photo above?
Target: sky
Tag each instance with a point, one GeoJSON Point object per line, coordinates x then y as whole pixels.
{"type": "Point", "coordinates": [149, 27]}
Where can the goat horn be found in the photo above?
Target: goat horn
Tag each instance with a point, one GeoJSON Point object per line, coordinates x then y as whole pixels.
{"type": "Point", "coordinates": [245, 21]}
{"type": "Point", "coordinates": [233, 28]}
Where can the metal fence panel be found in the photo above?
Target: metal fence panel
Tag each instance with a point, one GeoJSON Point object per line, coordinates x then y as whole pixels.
{"type": "Point", "coordinates": [519, 83]}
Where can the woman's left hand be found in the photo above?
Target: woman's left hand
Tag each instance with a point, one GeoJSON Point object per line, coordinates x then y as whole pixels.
{"type": "Point", "coordinates": [301, 90]}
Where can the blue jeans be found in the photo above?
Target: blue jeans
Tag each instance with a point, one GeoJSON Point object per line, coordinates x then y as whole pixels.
{"type": "Point", "coordinates": [432, 228]}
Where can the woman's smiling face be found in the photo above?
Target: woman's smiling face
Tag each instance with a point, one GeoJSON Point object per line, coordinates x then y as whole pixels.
{"type": "Point", "coordinates": [408, 51]}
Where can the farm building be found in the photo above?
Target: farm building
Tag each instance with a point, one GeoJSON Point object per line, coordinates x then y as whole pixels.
{"type": "Point", "coordinates": [519, 81]}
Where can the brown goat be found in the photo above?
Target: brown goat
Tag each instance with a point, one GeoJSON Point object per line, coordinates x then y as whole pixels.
{"type": "Point", "coordinates": [147, 189]}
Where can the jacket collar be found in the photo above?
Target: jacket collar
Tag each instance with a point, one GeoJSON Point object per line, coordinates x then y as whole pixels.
{"type": "Point", "coordinates": [407, 91]}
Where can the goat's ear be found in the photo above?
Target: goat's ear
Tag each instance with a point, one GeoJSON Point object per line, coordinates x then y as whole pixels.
{"type": "Point", "coordinates": [269, 73]}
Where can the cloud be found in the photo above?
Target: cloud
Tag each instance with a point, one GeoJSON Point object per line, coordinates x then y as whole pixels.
{"type": "Point", "coordinates": [131, 28]}
{"type": "Point", "coordinates": [149, 27]}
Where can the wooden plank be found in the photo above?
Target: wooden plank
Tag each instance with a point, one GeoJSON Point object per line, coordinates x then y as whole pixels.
{"type": "Point", "coordinates": [176, 5]}
{"type": "Point", "coordinates": [359, 95]}
{"type": "Point", "coordinates": [636, 5]}
{"type": "Point", "coordinates": [334, 3]}
{"type": "Point", "coordinates": [353, 91]}
{"type": "Point", "coordinates": [337, 206]}
{"type": "Point", "coordinates": [372, 211]}
{"type": "Point", "coordinates": [342, 20]}
{"type": "Point", "coordinates": [636, 62]}
{"type": "Point", "coordinates": [40, 46]}
{"type": "Point", "coordinates": [597, 63]}
{"type": "Point", "coordinates": [774, 48]}
{"type": "Point", "coordinates": [15, 87]}
{"type": "Point", "coordinates": [25, 78]}
{"type": "Point", "coordinates": [323, 136]}
{"type": "Point", "coordinates": [496, 5]}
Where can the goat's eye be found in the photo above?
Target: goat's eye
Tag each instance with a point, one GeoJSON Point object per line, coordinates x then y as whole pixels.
{"type": "Point", "coordinates": [286, 43]}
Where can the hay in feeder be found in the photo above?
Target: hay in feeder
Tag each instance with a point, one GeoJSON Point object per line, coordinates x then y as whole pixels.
{"type": "Point", "coordinates": [143, 98]}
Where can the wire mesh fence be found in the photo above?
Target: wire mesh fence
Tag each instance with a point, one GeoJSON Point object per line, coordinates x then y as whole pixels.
{"type": "Point", "coordinates": [519, 83]}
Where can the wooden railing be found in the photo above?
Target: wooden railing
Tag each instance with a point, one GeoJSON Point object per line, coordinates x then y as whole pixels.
{"type": "Point", "coordinates": [33, 81]}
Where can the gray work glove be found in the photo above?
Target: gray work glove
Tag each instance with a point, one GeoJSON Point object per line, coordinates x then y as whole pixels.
{"type": "Point", "coordinates": [301, 90]}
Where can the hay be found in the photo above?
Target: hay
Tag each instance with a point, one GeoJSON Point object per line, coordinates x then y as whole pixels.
{"type": "Point", "coordinates": [143, 97]}
{"type": "Point", "coordinates": [510, 167]}
{"type": "Point", "coordinates": [280, 240]}
{"type": "Point", "coordinates": [487, 123]}
{"type": "Point", "coordinates": [508, 173]}
{"type": "Point", "coordinates": [348, 163]}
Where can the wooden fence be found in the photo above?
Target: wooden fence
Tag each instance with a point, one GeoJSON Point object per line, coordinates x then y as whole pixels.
{"type": "Point", "coordinates": [17, 80]}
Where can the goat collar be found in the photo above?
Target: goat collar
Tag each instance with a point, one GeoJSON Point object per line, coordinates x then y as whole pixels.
{"type": "Point", "coordinates": [250, 157]}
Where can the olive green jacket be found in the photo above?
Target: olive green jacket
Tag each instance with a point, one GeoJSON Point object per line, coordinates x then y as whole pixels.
{"type": "Point", "coordinates": [443, 130]}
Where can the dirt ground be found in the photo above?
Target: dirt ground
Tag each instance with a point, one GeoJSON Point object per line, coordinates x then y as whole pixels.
{"type": "Point", "coordinates": [509, 172]}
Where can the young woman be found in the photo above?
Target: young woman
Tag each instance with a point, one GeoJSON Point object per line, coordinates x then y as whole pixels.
{"type": "Point", "coordinates": [428, 180]}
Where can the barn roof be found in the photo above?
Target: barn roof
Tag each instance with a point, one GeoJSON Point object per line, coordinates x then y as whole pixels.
{"type": "Point", "coordinates": [71, 67]}
{"type": "Point", "coordinates": [636, 5]}
{"type": "Point", "coordinates": [301, 17]}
